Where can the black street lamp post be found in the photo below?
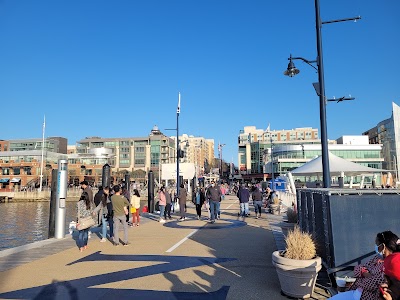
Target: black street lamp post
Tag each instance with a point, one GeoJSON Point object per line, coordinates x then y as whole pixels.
{"type": "Point", "coordinates": [320, 89]}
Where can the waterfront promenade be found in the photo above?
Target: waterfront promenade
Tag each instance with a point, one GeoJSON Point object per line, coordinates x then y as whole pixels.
{"type": "Point", "coordinates": [192, 259]}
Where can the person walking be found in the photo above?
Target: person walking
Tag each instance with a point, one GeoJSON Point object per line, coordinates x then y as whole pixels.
{"type": "Point", "coordinates": [135, 202]}
{"type": "Point", "coordinates": [244, 196]}
{"type": "Point", "coordinates": [102, 210]}
{"type": "Point", "coordinates": [119, 203]}
{"type": "Point", "coordinates": [86, 188]}
{"type": "Point", "coordinates": [214, 196]}
{"type": "Point", "coordinates": [257, 197]}
{"type": "Point", "coordinates": [161, 203]}
{"type": "Point", "coordinates": [84, 209]}
{"type": "Point", "coordinates": [182, 202]}
{"type": "Point", "coordinates": [127, 195]}
{"type": "Point", "coordinates": [198, 201]}
{"type": "Point", "coordinates": [168, 200]}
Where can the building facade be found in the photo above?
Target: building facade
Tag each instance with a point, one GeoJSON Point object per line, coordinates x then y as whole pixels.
{"type": "Point", "coordinates": [137, 155]}
{"type": "Point", "coordinates": [387, 133]}
{"type": "Point", "coordinates": [289, 157]}
{"type": "Point", "coordinates": [254, 145]}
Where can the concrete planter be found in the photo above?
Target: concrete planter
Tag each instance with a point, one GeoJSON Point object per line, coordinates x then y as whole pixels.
{"type": "Point", "coordinates": [297, 277]}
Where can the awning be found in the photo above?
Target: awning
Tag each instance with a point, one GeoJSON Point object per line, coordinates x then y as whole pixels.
{"type": "Point", "coordinates": [4, 180]}
{"type": "Point", "coordinates": [16, 179]}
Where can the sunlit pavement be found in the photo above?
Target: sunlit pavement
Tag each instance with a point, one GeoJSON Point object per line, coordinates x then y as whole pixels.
{"type": "Point", "coordinates": [192, 259]}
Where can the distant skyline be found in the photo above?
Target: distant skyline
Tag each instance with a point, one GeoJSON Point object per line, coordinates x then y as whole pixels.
{"type": "Point", "coordinates": [115, 68]}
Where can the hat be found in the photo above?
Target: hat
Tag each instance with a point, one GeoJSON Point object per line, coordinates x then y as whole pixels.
{"type": "Point", "coordinates": [391, 266]}
{"type": "Point", "coordinates": [84, 182]}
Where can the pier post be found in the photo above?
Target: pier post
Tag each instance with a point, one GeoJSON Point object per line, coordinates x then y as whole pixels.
{"type": "Point", "coordinates": [106, 176]}
{"type": "Point", "coordinates": [62, 182]}
{"type": "Point", "coordinates": [150, 192]}
{"type": "Point", "coordinates": [53, 200]}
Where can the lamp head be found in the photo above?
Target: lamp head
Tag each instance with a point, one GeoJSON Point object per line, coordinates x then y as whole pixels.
{"type": "Point", "coordinates": [291, 69]}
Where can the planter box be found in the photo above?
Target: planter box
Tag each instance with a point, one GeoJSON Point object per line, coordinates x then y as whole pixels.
{"type": "Point", "coordinates": [297, 277]}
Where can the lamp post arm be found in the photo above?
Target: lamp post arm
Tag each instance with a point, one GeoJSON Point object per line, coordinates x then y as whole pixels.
{"type": "Point", "coordinates": [308, 62]}
{"type": "Point", "coordinates": [342, 20]}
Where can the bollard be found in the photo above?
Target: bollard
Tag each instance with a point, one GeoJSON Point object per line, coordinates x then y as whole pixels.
{"type": "Point", "coordinates": [150, 192]}
{"type": "Point", "coordinates": [60, 199]}
{"type": "Point", "coordinates": [53, 200]}
{"type": "Point", "coordinates": [128, 182]}
{"type": "Point", "coordinates": [106, 176]}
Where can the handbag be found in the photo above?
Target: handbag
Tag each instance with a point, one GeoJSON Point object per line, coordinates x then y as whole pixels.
{"type": "Point", "coordinates": [133, 209]}
{"type": "Point", "coordinates": [84, 223]}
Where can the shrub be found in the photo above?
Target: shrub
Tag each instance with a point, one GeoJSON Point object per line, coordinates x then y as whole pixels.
{"type": "Point", "coordinates": [291, 215]}
{"type": "Point", "coordinates": [299, 245]}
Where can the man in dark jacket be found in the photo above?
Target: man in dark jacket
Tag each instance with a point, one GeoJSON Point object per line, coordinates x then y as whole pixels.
{"type": "Point", "coordinates": [97, 199]}
{"type": "Point", "coordinates": [213, 194]}
{"type": "Point", "coordinates": [244, 196]}
{"type": "Point", "coordinates": [257, 197]}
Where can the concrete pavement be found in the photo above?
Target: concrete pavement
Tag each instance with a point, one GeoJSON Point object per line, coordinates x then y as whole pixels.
{"type": "Point", "coordinates": [193, 259]}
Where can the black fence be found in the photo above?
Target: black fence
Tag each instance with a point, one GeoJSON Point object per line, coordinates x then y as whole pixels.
{"type": "Point", "coordinates": [344, 222]}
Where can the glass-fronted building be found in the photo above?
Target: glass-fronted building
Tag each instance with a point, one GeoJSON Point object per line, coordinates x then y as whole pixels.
{"type": "Point", "coordinates": [387, 133]}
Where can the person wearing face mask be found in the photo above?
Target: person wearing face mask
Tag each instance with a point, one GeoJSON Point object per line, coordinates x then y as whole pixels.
{"type": "Point", "coordinates": [369, 275]}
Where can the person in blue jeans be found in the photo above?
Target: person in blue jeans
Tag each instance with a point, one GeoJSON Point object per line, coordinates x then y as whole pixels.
{"type": "Point", "coordinates": [244, 196]}
{"type": "Point", "coordinates": [102, 208]}
{"type": "Point", "coordinates": [214, 196]}
{"type": "Point", "coordinates": [84, 209]}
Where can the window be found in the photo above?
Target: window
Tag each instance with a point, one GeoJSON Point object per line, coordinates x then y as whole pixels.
{"type": "Point", "coordinates": [6, 171]}
{"type": "Point", "coordinates": [17, 171]}
{"type": "Point", "coordinates": [28, 170]}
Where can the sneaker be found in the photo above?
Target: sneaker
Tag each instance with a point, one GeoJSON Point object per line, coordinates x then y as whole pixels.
{"type": "Point", "coordinates": [181, 219]}
{"type": "Point", "coordinates": [103, 240]}
{"type": "Point", "coordinates": [127, 244]}
{"type": "Point", "coordinates": [116, 244]}
{"type": "Point", "coordinates": [198, 217]}
{"type": "Point", "coordinates": [218, 217]}
{"type": "Point", "coordinates": [256, 217]}
{"type": "Point", "coordinates": [162, 221]}
{"type": "Point", "coordinates": [185, 218]}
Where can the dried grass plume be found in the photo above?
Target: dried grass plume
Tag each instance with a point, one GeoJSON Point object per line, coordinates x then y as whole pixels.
{"type": "Point", "coordinates": [299, 245]}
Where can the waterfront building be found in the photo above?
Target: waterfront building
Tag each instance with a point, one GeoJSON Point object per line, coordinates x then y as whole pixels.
{"type": "Point", "coordinates": [135, 155]}
{"type": "Point", "coordinates": [51, 144]}
{"type": "Point", "coordinates": [23, 167]}
{"type": "Point", "coordinates": [254, 144]}
{"type": "Point", "coordinates": [20, 161]}
{"type": "Point", "coordinates": [387, 133]}
{"type": "Point", "coordinates": [353, 148]}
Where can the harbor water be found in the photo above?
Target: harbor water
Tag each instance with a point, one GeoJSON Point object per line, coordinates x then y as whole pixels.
{"type": "Point", "coordinates": [22, 223]}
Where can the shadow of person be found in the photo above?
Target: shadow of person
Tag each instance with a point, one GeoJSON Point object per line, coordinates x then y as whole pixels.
{"type": "Point", "coordinates": [182, 291]}
{"type": "Point", "coordinates": [51, 291]}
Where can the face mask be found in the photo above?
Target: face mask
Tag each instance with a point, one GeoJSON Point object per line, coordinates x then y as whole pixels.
{"type": "Point", "coordinates": [377, 250]}
{"type": "Point", "coordinates": [213, 185]}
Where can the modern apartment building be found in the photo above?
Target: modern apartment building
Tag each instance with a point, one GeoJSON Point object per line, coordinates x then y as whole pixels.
{"type": "Point", "coordinates": [51, 144]}
{"type": "Point", "coordinates": [254, 145]}
{"type": "Point", "coordinates": [197, 150]}
{"type": "Point", "coordinates": [387, 133]}
{"type": "Point", "coordinates": [353, 148]}
{"type": "Point", "coordinates": [135, 154]}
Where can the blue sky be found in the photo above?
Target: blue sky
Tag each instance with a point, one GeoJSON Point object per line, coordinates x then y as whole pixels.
{"type": "Point", "coordinates": [114, 68]}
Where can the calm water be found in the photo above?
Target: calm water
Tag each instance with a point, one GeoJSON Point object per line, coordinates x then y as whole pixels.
{"type": "Point", "coordinates": [26, 222]}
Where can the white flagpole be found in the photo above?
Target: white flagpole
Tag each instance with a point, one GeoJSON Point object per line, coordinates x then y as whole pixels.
{"type": "Point", "coordinates": [41, 162]}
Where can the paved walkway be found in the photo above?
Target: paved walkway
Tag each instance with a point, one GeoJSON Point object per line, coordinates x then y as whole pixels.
{"type": "Point", "coordinates": [193, 259]}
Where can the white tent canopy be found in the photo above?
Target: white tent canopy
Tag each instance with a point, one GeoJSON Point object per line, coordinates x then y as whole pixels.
{"type": "Point", "coordinates": [337, 165]}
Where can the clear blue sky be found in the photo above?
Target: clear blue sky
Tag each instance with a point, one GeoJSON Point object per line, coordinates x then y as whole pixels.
{"type": "Point", "coordinates": [114, 68]}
